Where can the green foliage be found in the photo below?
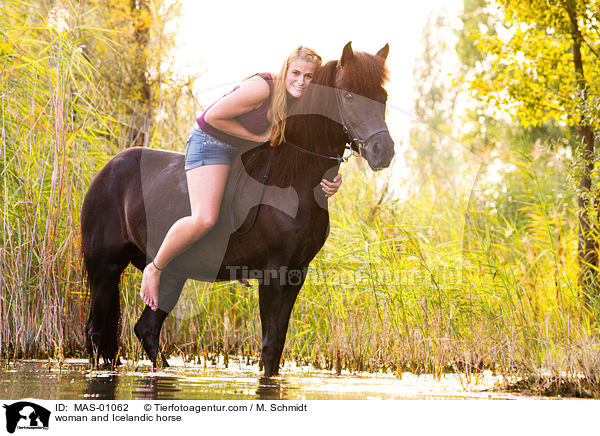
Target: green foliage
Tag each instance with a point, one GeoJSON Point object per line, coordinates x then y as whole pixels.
{"type": "Point", "coordinates": [49, 122]}
{"type": "Point", "coordinates": [485, 126]}
{"type": "Point", "coordinates": [541, 66]}
{"type": "Point", "coordinates": [507, 186]}
{"type": "Point", "coordinates": [528, 67]}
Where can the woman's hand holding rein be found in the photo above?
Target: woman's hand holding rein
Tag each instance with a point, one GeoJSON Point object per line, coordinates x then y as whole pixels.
{"type": "Point", "coordinates": [264, 137]}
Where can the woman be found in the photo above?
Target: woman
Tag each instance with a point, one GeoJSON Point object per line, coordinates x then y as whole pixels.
{"type": "Point", "coordinates": [253, 113]}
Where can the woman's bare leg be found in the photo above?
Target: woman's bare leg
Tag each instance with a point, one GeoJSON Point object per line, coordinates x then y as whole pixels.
{"type": "Point", "coordinates": [206, 185]}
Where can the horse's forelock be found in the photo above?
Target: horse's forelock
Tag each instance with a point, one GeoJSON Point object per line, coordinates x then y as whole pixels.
{"type": "Point", "coordinates": [365, 74]}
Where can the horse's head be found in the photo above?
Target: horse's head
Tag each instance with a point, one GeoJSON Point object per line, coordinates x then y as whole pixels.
{"type": "Point", "coordinates": [361, 102]}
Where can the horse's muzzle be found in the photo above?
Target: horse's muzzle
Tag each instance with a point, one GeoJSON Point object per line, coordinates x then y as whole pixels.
{"type": "Point", "coordinates": [379, 151]}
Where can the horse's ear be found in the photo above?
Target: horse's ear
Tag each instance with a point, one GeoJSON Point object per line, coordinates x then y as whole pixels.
{"type": "Point", "coordinates": [347, 54]}
{"type": "Point", "coordinates": [384, 51]}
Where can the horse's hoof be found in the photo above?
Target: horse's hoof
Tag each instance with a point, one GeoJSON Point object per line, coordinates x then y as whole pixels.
{"type": "Point", "coordinates": [160, 364]}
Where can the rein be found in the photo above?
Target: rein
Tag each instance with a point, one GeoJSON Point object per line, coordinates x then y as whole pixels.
{"type": "Point", "coordinates": [312, 153]}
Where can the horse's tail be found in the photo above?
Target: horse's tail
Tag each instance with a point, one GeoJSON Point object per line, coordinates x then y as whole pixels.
{"type": "Point", "coordinates": [105, 251]}
{"type": "Point", "coordinates": [87, 225]}
{"type": "Point", "coordinates": [84, 249]}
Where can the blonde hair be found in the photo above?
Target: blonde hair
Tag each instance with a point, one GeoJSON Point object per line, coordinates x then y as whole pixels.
{"type": "Point", "coordinates": [279, 97]}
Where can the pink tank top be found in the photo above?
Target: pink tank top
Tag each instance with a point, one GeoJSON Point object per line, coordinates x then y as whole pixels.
{"type": "Point", "coordinates": [255, 121]}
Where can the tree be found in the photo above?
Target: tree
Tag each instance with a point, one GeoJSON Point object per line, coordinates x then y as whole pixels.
{"type": "Point", "coordinates": [543, 64]}
{"type": "Point", "coordinates": [133, 62]}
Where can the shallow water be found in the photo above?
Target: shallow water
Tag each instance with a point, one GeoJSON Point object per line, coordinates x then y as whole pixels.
{"type": "Point", "coordinates": [182, 381]}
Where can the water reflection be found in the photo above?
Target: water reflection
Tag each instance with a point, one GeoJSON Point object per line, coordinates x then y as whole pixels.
{"type": "Point", "coordinates": [271, 389]}
{"type": "Point", "coordinates": [102, 388]}
{"type": "Point", "coordinates": [156, 388]}
{"type": "Point", "coordinates": [75, 380]}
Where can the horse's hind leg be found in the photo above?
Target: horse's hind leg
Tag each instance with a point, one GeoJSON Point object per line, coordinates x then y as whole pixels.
{"type": "Point", "coordinates": [102, 330]}
{"type": "Point", "coordinates": [148, 327]}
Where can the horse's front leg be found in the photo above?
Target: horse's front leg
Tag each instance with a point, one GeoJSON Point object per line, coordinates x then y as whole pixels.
{"type": "Point", "coordinates": [148, 327]}
{"type": "Point", "coordinates": [276, 300]}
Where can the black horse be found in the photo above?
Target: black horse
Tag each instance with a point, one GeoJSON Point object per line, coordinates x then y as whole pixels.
{"type": "Point", "coordinates": [273, 219]}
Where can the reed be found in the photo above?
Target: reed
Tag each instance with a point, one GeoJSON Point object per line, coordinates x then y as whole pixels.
{"type": "Point", "coordinates": [48, 122]}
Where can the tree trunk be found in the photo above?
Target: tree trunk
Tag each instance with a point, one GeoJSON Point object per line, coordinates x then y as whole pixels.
{"type": "Point", "coordinates": [587, 237]}
{"type": "Point", "coordinates": [142, 114]}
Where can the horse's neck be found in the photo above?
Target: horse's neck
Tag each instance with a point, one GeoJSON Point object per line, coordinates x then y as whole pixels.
{"type": "Point", "coordinates": [314, 127]}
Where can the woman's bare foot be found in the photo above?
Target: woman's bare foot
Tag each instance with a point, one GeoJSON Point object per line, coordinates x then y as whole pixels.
{"type": "Point", "coordinates": [149, 289]}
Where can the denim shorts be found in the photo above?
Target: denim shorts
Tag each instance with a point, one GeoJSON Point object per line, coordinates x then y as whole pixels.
{"type": "Point", "coordinates": [204, 149]}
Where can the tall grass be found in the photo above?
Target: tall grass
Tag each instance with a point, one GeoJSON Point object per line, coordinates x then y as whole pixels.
{"type": "Point", "coordinates": [60, 124]}
{"type": "Point", "coordinates": [48, 124]}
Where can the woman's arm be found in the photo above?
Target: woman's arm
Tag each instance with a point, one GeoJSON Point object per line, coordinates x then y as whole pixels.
{"type": "Point", "coordinates": [250, 95]}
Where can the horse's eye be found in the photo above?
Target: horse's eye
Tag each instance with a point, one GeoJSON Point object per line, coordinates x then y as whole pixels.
{"type": "Point", "coordinates": [348, 97]}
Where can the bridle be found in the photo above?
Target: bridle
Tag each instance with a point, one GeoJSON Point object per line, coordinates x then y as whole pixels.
{"type": "Point", "coordinates": [355, 139]}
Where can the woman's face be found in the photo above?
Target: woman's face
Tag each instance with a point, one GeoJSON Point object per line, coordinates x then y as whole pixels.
{"type": "Point", "coordinates": [299, 75]}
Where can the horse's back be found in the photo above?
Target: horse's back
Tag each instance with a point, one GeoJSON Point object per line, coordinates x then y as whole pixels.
{"type": "Point", "coordinates": [127, 168]}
